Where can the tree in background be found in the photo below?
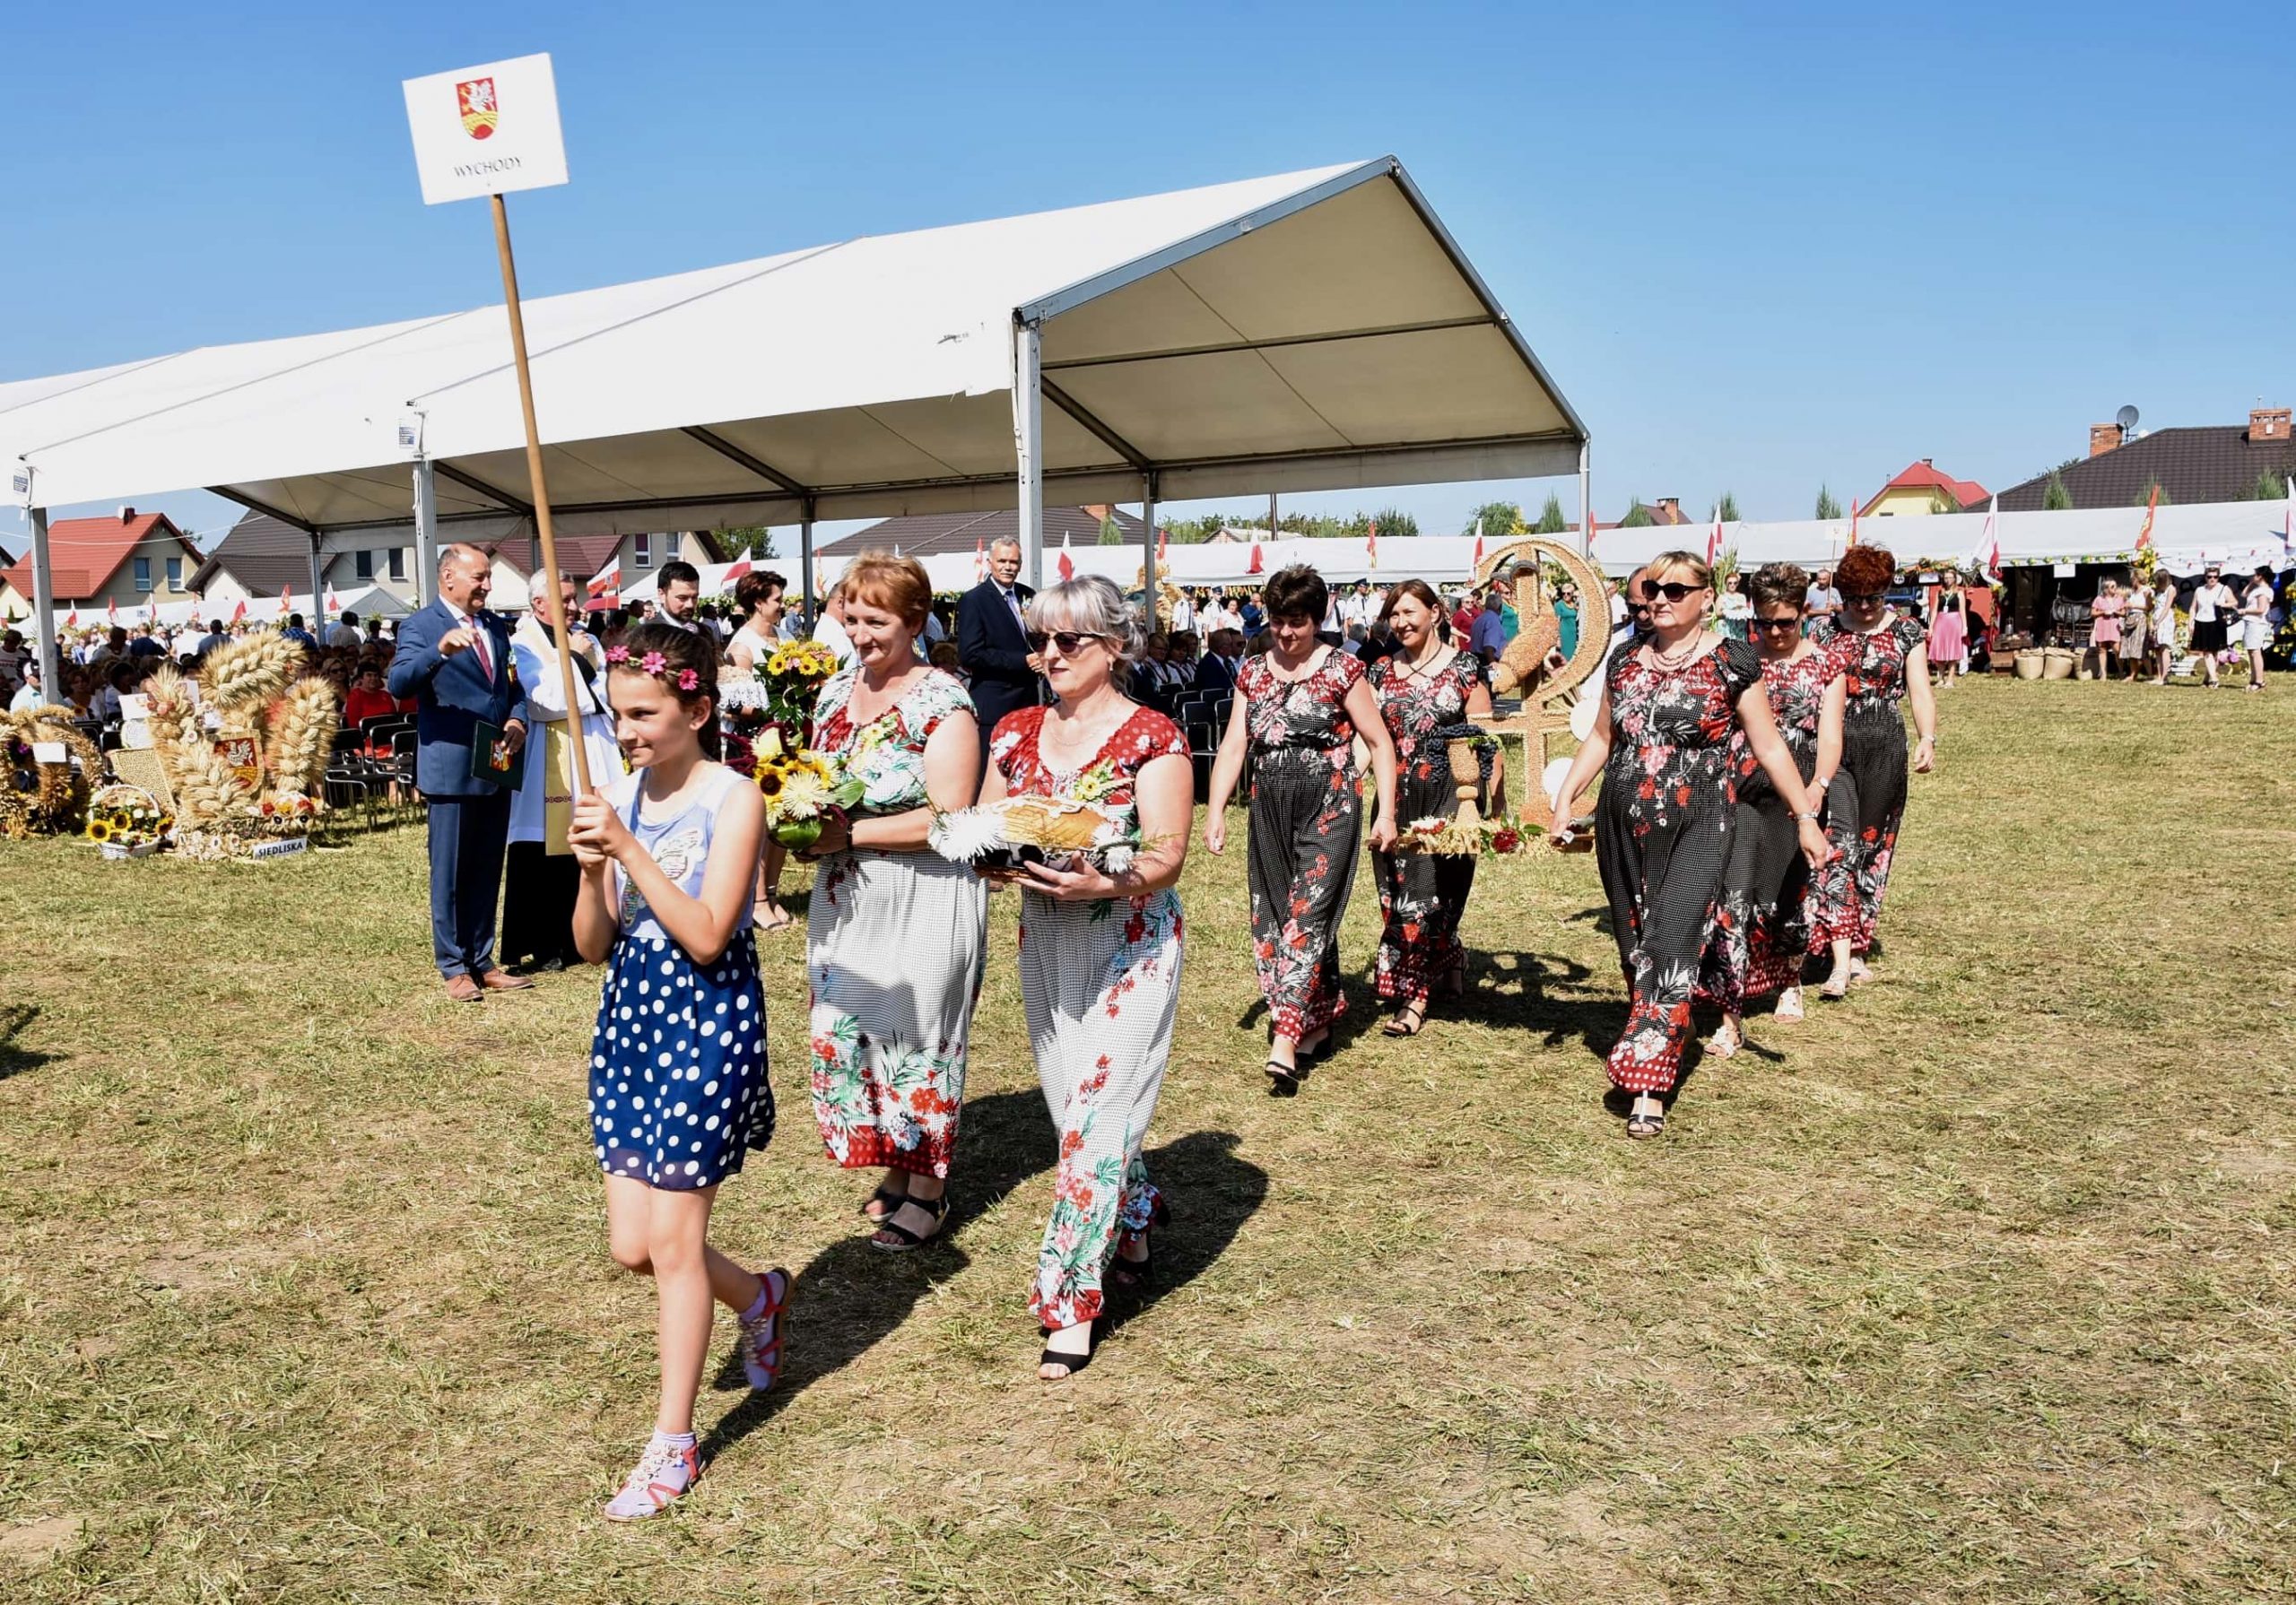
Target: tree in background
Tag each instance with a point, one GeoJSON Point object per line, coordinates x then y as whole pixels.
{"type": "Point", "coordinates": [1111, 533]}
{"type": "Point", "coordinates": [2144, 497]}
{"type": "Point", "coordinates": [1551, 519]}
{"type": "Point", "coordinates": [2269, 487]}
{"type": "Point", "coordinates": [1638, 515]}
{"type": "Point", "coordinates": [1828, 508]}
{"type": "Point", "coordinates": [1497, 520]}
{"type": "Point", "coordinates": [750, 541]}
{"type": "Point", "coordinates": [2055, 498]}
{"type": "Point", "coordinates": [1727, 511]}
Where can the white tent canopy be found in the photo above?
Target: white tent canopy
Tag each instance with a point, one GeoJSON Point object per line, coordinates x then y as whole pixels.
{"type": "Point", "coordinates": [1316, 330]}
{"type": "Point", "coordinates": [2239, 534]}
{"type": "Point", "coordinates": [369, 601]}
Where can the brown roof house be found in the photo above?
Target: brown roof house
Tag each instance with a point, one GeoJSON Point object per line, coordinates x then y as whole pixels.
{"type": "Point", "coordinates": [2219, 462]}
{"type": "Point", "coordinates": [131, 558]}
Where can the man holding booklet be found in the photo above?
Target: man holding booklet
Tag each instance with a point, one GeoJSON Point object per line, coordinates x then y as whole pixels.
{"type": "Point", "coordinates": [453, 657]}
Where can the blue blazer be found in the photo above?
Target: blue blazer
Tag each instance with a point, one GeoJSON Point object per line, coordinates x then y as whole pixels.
{"type": "Point", "coordinates": [451, 694]}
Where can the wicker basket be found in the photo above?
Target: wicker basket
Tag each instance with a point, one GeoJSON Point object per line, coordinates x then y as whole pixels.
{"type": "Point", "coordinates": [2029, 663]}
{"type": "Point", "coordinates": [2057, 663]}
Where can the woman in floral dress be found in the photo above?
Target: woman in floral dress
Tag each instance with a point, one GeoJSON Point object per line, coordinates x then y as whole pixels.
{"type": "Point", "coordinates": [1886, 657]}
{"type": "Point", "coordinates": [894, 931]}
{"type": "Point", "coordinates": [1299, 707]}
{"type": "Point", "coordinates": [1100, 950]}
{"type": "Point", "coordinates": [1667, 738]}
{"type": "Point", "coordinates": [1426, 689]}
{"type": "Point", "coordinates": [1772, 911]}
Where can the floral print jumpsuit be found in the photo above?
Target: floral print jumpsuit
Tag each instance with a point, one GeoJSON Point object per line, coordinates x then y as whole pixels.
{"type": "Point", "coordinates": [1306, 821]}
{"type": "Point", "coordinates": [1763, 923]}
{"type": "Point", "coordinates": [1422, 895]}
{"type": "Point", "coordinates": [1100, 985]}
{"type": "Point", "coordinates": [1874, 754]}
{"type": "Point", "coordinates": [893, 950]}
{"type": "Point", "coordinates": [1663, 830]}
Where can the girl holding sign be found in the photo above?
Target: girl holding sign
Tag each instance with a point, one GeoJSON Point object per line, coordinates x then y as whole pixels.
{"type": "Point", "coordinates": [678, 1093]}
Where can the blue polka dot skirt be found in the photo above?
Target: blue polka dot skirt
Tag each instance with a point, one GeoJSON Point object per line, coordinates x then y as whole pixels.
{"type": "Point", "coordinates": [678, 1091]}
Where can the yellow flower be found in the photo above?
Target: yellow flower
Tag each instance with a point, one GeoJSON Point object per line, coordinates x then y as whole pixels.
{"type": "Point", "coordinates": [806, 792]}
{"type": "Point", "coordinates": [98, 830]}
{"type": "Point", "coordinates": [771, 779]}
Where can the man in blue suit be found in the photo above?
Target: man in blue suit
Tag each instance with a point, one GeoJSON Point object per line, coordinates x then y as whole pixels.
{"type": "Point", "coordinates": [454, 659]}
{"type": "Point", "coordinates": [993, 643]}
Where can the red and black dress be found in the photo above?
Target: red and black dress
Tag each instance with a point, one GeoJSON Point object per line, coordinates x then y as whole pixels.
{"type": "Point", "coordinates": [1663, 826]}
{"type": "Point", "coordinates": [1764, 922]}
{"type": "Point", "coordinates": [1422, 895]}
{"type": "Point", "coordinates": [1873, 753]}
{"type": "Point", "coordinates": [1306, 821]}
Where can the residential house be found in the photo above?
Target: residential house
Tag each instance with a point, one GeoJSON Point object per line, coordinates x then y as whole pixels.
{"type": "Point", "coordinates": [587, 556]}
{"type": "Point", "coordinates": [130, 559]}
{"type": "Point", "coordinates": [1923, 489]}
{"type": "Point", "coordinates": [2192, 463]}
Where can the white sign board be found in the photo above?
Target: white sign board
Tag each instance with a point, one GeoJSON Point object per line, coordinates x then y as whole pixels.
{"type": "Point", "coordinates": [486, 130]}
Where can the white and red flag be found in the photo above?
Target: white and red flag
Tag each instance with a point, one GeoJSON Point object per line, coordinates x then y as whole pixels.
{"type": "Point", "coordinates": [1067, 564]}
{"type": "Point", "coordinates": [1257, 563]}
{"type": "Point", "coordinates": [239, 613]}
{"type": "Point", "coordinates": [1714, 537]}
{"type": "Point", "coordinates": [1371, 544]}
{"type": "Point", "coordinates": [111, 610]}
{"type": "Point", "coordinates": [333, 603]}
{"type": "Point", "coordinates": [605, 589]}
{"type": "Point", "coordinates": [1988, 542]}
{"type": "Point", "coordinates": [736, 570]}
{"type": "Point", "coordinates": [979, 559]}
{"type": "Point", "coordinates": [2151, 506]}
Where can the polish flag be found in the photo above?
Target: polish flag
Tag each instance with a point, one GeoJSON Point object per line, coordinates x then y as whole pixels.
{"type": "Point", "coordinates": [1257, 564]}
{"type": "Point", "coordinates": [1371, 544]}
{"type": "Point", "coordinates": [1714, 537]}
{"type": "Point", "coordinates": [239, 613]}
{"type": "Point", "coordinates": [72, 619]}
{"type": "Point", "coordinates": [286, 603]}
{"type": "Point", "coordinates": [2288, 521]}
{"type": "Point", "coordinates": [979, 559]}
{"type": "Point", "coordinates": [1067, 565]}
{"type": "Point", "coordinates": [111, 610]}
{"type": "Point", "coordinates": [1852, 523]}
{"type": "Point", "coordinates": [736, 570]}
{"type": "Point", "coordinates": [334, 604]}
{"type": "Point", "coordinates": [1164, 544]}
{"type": "Point", "coordinates": [605, 589]}
{"type": "Point", "coordinates": [1478, 543]}
{"type": "Point", "coordinates": [2152, 505]}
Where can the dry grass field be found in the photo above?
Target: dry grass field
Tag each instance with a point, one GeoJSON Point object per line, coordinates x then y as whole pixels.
{"type": "Point", "coordinates": [1982, 1286]}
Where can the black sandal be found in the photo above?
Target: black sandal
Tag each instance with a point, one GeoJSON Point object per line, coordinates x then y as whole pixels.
{"type": "Point", "coordinates": [1284, 1079]}
{"type": "Point", "coordinates": [1074, 1362]}
{"type": "Point", "coordinates": [1653, 1124]}
{"type": "Point", "coordinates": [1396, 1027]}
{"type": "Point", "coordinates": [1135, 1273]}
{"type": "Point", "coordinates": [938, 1208]}
{"type": "Point", "coordinates": [884, 1195]}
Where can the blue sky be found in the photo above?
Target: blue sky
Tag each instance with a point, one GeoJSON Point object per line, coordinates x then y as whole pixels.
{"type": "Point", "coordinates": [1758, 251]}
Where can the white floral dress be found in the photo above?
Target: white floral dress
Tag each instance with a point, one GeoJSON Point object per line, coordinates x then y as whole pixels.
{"type": "Point", "coordinates": [893, 945]}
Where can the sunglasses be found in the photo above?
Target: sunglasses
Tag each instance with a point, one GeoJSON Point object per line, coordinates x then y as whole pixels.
{"type": "Point", "coordinates": [1674, 590]}
{"type": "Point", "coordinates": [1863, 598]}
{"type": "Point", "coordinates": [1793, 621]}
{"type": "Point", "coordinates": [1070, 642]}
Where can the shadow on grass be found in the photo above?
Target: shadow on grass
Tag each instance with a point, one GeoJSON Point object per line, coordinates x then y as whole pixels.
{"type": "Point", "coordinates": [1212, 1193]}
{"type": "Point", "coordinates": [16, 1059]}
{"type": "Point", "coordinates": [853, 1296]}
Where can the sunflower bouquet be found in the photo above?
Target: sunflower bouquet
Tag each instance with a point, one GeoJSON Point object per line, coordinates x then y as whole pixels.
{"type": "Point", "coordinates": [791, 677]}
{"type": "Point", "coordinates": [803, 789]}
{"type": "Point", "coordinates": [126, 822]}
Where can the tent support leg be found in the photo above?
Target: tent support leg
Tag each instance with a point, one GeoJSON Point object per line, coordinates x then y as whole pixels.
{"type": "Point", "coordinates": [1148, 575]}
{"type": "Point", "coordinates": [805, 564]}
{"type": "Point", "coordinates": [318, 625]}
{"type": "Point", "coordinates": [51, 679]}
{"type": "Point", "coordinates": [1585, 507]}
{"type": "Point", "coordinates": [426, 533]}
{"type": "Point", "coordinates": [1028, 440]}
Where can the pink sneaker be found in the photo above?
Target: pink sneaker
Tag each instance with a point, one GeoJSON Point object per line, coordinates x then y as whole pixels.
{"type": "Point", "coordinates": [663, 1472]}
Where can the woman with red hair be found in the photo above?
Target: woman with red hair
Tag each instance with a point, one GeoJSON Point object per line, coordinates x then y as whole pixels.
{"type": "Point", "coordinates": [1886, 656]}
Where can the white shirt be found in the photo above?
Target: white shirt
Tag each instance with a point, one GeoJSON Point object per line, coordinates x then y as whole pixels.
{"type": "Point", "coordinates": [1183, 614]}
{"type": "Point", "coordinates": [830, 633]}
{"type": "Point", "coordinates": [339, 634]}
{"type": "Point", "coordinates": [2208, 599]}
{"type": "Point", "coordinates": [27, 698]}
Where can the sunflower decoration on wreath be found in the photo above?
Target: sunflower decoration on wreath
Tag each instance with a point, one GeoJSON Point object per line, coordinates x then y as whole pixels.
{"type": "Point", "coordinates": [44, 799]}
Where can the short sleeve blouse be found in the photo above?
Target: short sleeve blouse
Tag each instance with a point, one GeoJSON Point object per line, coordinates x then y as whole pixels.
{"type": "Point", "coordinates": [1309, 713]}
{"type": "Point", "coordinates": [1109, 782]}
{"type": "Point", "coordinates": [887, 754]}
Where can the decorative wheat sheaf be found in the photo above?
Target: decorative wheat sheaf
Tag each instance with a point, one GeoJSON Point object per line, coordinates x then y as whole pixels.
{"type": "Point", "coordinates": [249, 673]}
{"type": "Point", "coordinates": [302, 733]}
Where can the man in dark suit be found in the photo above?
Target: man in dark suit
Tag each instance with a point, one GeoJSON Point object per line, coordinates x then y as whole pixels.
{"type": "Point", "coordinates": [1217, 671]}
{"type": "Point", "coordinates": [454, 659]}
{"type": "Point", "coordinates": [992, 642]}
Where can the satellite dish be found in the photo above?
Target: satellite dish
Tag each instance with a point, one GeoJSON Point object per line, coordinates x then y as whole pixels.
{"type": "Point", "coordinates": [2125, 417]}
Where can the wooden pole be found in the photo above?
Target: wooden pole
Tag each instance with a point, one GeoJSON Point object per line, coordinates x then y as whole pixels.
{"type": "Point", "coordinates": [548, 573]}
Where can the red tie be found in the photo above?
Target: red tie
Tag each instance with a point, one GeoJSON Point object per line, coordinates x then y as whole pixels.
{"type": "Point", "coordinates": [478, 645]}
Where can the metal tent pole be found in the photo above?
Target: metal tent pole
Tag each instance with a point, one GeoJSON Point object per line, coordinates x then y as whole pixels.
{"type": "Point", "coordinates": [318, 625]}
{"type": "Point", "coordinates": [51, 679]}
{"type": "Point", "coordinates": [1028, 442]}
{"type": "Point", "coordinates": [426, 533]}
{"type": "Point", "coordinates": [1585, 506]}
{"type": "Point", "coordinates": [805, 563]}
{"type": "Point", "coordinates": [1148, 549]}
{"type": "Point", "coordinates": [1271, 524]}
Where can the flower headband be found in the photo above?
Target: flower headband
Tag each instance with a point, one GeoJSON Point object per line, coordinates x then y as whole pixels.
{"type": "Point", "coordinates": [655, 665]}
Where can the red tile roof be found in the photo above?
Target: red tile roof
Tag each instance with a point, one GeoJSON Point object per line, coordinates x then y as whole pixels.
{"type": "Point", "coordinates": [1924, 476]}
{"type": "Point", "coordinates": [84, 553]}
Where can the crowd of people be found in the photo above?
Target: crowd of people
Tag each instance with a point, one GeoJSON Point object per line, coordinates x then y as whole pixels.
{"type": "Point", "coordinates": [1746, 826]}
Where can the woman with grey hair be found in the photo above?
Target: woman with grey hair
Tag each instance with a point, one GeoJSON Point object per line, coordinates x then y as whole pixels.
{"type": "Point", "coordinates": [1099, 949]}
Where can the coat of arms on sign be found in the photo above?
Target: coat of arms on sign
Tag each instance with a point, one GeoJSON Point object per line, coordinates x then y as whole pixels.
{"type": "Point", "coordinates": [475, 97]}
